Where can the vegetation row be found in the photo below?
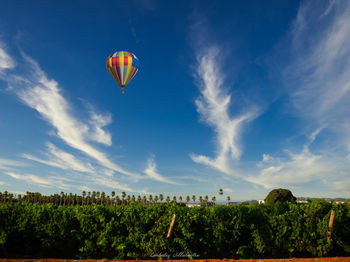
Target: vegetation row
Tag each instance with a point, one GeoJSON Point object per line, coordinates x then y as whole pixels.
{"type": "Point", "coordinates": [137, 231]}
{"type": "Point", "coordinates": [102, 198]}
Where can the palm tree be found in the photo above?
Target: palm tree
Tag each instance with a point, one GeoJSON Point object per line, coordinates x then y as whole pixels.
{"type": "Point", "coordinates": [10, 198]}
{"type": "Point", "coordinates": [194, 198]}
{"type": "Point", "coordinates": [70, 198]}
{"type": "Point", "coordinates": [206, 200]}
{"type": "Point", "coordinates": [98, 195]}
{"type": "Point", "coordinates": [117, 200]}
{"type": "Point", "coordinates": [84, 194]}
{"type": "Point", "coordinates": [200, 200]}
{"type": "Point", "coordinates": [139, 199]}
{"type": "Point", "coordinates": [61, 198]}
{"type": "Point", "coordinates": [156, 198]}
{"type": "Point", "coordinates": [103, 197]}
{"type": "Point", "coordinates": [89, 197]}
{"type": "Point", "coordinates": [128, 198]}
{"type": "Point", "coordinates": [228, 199]}
{"type": "Point", "coordinates": [113, 195]}
{"type": "Point", "coordinates": [174, 199]}
{"type": "Point", "coordinates": [161, 197]}
{"type": "Point", "coordinates": [93, 196]}
{"type": "Point", "coordinates": [144, 200]}
{"type": "Point", "coordinates": [214, 199]}
{"type": "Point", "coordinates": [150, 198]}
{"type": "Point", "coordinates": [221, 192]}
{"type": "Point", "coordinates": [167, 199]}
{"type": "Point", "coordinates": [5, 196]}
{"type": "Point", "coordinates": [187, 199]}
{"type": "Point", "coordinates": [180, 199]}
{"type": "Point", "coordinates": [123, 196]}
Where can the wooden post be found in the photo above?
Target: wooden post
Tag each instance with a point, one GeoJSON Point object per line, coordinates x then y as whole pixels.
{"type": "Point", "coordinates": [171, 226]}
{"type": "Point", "coordinates": [330, 225]}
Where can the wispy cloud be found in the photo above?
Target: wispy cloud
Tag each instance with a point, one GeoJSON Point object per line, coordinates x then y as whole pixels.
{"type": "Point", "coordinates": [318, 69]}
{"type": "Point", "coordinates": [44, 95]}
{"type": "Point", "coordinates": [342, 186]}
{"type": "Point", "coordinates": [194, 178]}
{"type": "Point", "coordinates": [61, 159]}
{"type": "Point", "coordinates": [152, 172]}
{"type": "Point", "coordinates": [6, 62]}
{"type": "Point", "coordinates": [298, 169]}
{"type": "Point", "coordinates": [302, 168]}
{"type": "Point", "coordinates": [98, 134]}
{"type": "Point", "coordinates": [6, 164]}
{"type": "Point", "coordinates": [214, 108]}
{"type": "Point", "coordinates": [2, 183]}
{"type": "Point", "coordinates": [315, 68]}
{"type": "Point", "coordinates": [39, 181]}
{"type": "Point", "coordinates": [110, 183]}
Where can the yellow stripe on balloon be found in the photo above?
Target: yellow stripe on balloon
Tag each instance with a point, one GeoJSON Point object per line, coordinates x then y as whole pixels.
{"type": "Point", "coordinates": [129, 69]}
{"type": "Point", "coordinates": [121, 67]}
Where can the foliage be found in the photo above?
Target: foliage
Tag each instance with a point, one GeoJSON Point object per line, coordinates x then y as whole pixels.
{"type": "Point", "coordinates": [137, 231]}
{"type": "Point", "coordinates": [280, 195]}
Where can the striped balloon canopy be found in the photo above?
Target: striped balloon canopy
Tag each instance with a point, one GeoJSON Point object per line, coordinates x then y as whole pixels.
{"type": "Point", "coordinates": [122, 66]}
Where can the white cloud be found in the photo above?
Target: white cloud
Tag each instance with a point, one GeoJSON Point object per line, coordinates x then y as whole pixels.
{"type": "Point", "coordinates": [85, 188]}
{"type": "Point", "coordinates": [44, 95]}
{"type": "Point", "coordinates": [302, 168]}
{"type": "Point", "coordinates": [2, 183]}
{"type": "Point", "coordinates": [43, 182]}
{"type": "Point", "coordinates": [108, 182]}
{"type": "Point", "coordinates": [214, 108]}
{"type": "Point", "coordinates": [152, 172]}
{"type": "Point", "coordinates": [342, 186]}
{"type": "Point", "coordinates": [318, 71]}
{"type": "Point", "coordinates": [194, 178]}
{"type": "Point", "coordinates": [227, 190]}
{"type": "Point", "coordinates": [99, 135]}
{"type": "Point", "coordinates": [297, 170]}
{"type": "Point", "coordinates": [61, 159]}
{"type": "Point", "coordinates": [314, 60]}
{"type": "Point", "coordinates": [6, 62]}
{"type": "Point", "coordinates": [6, 164]}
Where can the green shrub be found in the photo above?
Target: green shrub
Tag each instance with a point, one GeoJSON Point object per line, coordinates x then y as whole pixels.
{"type": "Point", "coordinates": [139, 232]}
{"type": "Point", "coordinates": [279, 195]}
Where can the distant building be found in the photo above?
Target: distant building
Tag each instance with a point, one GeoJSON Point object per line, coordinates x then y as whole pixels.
{"type": "Point", "coordinates": [193, 205]}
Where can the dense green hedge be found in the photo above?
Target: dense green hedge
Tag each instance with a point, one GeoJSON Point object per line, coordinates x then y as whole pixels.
{"type": "Point", "coordinates": [139, 231]}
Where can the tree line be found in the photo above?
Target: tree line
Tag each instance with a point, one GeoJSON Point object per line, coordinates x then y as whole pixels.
{"type": "Point", "coordinates": [101, 198]}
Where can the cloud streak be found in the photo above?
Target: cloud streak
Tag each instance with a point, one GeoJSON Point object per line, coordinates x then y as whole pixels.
{"type": "Point", "coordinates": [152, 172]}
{"type": "Point", "coordinates": [61, 159]}
{"type": "Point", "coordinates": [6, 164]}
{"type": "Point", "coordinates": [6, 62]}
{"type": "Point", "coordinates": [318, 70]}
{"type": "Point", "coordinates": [214, 108]}
{"type": "Point", "coordinates": [39, 181]}
{"type": "Point", "coordinates": [44, 95]}
{"type": "Point", "coordinates": [297, 170]}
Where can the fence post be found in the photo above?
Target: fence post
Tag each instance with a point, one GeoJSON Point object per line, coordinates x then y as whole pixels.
{"type": "Point", "coordinates": [171, 226]}
{"type": "Point", "coordinates": [330, 225]}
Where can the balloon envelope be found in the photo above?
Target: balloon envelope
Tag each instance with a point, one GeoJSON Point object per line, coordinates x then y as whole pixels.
{"type": "Point", "coordinates": [122, 66]}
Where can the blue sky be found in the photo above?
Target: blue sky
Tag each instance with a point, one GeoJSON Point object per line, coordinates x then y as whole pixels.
{"type": "Point", "coordinates": [241, 95]}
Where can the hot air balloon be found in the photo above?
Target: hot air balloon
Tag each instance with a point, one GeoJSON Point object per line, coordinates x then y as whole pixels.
{"type": "Point", "coordinates": [122, 66]}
